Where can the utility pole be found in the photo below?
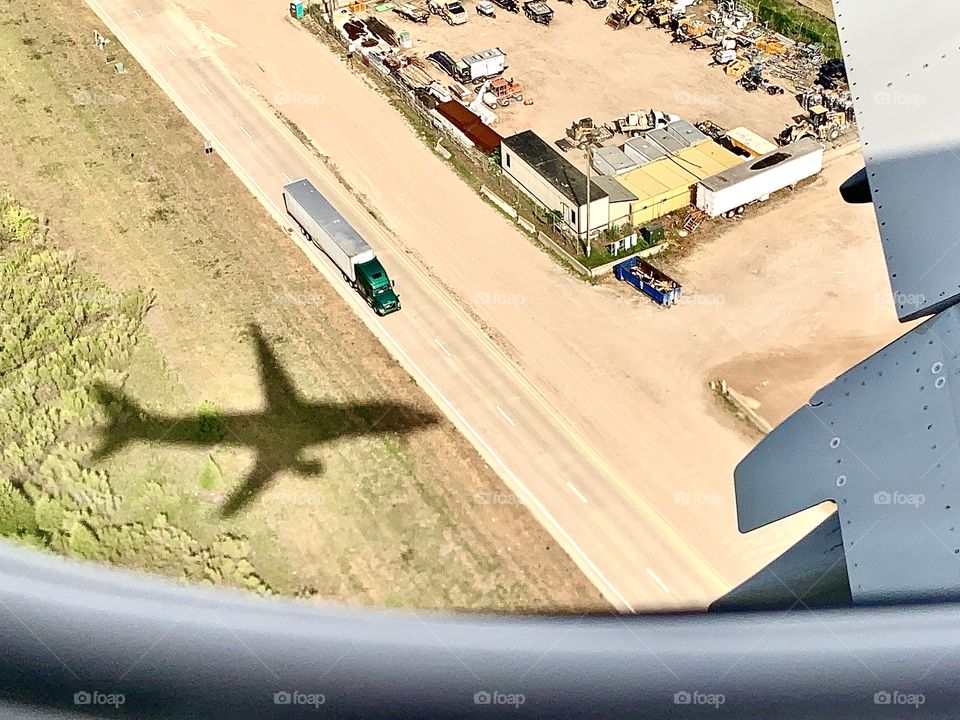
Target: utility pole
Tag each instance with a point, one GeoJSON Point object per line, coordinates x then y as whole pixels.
{"type": "Point", "coordinates": [589, 158]}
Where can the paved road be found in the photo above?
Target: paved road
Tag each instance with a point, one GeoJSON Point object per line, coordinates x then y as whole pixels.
{"type": "Point", "coordinates": [606, 518]}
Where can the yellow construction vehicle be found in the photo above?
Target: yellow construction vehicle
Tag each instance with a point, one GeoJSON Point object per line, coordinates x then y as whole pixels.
{"type": "Point", "coordinates": [822, 124]}
{"type": "Point", "coordinates": [690, 29]}
{"type": "Point", "coordinates": [628, 12]}
{"type": "Point", "coordinates": [738, 68]}
{"type": "Point", "coordinates": [771, 46]}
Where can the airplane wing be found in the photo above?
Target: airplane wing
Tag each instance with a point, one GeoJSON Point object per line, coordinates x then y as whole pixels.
{"type": "Point", "coordinates": [278, 388]}
{"type": "Point", "coordinates": [902, 64]}
{"type": "Point", "coordinates": [883, 439]}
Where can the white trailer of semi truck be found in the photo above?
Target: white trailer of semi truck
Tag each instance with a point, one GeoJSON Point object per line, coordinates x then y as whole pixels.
{"type": "Point", "coordinates": [758, 178]}
{"type": "Point", "coordinates": [325, 227]}
{"type": "Point", "coordinates": [322, 225]}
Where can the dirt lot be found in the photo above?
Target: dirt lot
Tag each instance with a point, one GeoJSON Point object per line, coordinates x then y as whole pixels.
{"type": "Point", "coordinates": [578, 67]}
{"type": "Point", "coordinates": [799, 341]}
{"type": "Point", "coordinates": [824, 7]}
{"type": "Point", "coordinates": [117, 171]}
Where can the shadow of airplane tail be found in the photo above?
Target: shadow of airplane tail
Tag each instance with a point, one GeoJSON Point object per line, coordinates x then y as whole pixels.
{"type": "Point", "coordinates": [120, 409]}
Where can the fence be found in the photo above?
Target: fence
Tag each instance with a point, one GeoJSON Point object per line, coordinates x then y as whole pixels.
{"type": "Point", "coordinates": [477, 169]}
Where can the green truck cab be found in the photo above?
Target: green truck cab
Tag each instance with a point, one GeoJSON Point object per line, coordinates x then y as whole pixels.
{"type": "Point", "coordinates": [375, 286]}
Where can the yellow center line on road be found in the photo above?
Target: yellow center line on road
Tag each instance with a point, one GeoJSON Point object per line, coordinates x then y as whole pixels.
{"type": "Point", "coordinates": [701, 564]}
{"type": "Point", "coordinates": [352, 300]}
{"type": "Point", "coordinates": [468, 324]}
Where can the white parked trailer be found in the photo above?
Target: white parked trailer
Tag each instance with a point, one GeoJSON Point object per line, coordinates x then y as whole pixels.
{"type": "Point", "coordinates": [758, 178]}
{"type": "Point", "coordinates": [484, 64]}
{"type": "Point", "coordinates": [326, 228]}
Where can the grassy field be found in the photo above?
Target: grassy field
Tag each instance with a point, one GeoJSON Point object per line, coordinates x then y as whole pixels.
{"type": "Point", "coordinates": [396, 518]}
{"type": "Point", "coordinates": [804, 20]}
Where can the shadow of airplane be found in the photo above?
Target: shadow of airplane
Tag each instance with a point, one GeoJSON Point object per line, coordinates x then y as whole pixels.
{"type": "Point", "coordinates": [278, 435]}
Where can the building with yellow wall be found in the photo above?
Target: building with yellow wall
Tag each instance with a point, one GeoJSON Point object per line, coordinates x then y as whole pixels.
{"type": "Point", "coordinates": [668, 183]}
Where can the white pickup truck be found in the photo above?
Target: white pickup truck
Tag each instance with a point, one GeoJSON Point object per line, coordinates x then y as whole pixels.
{"type": "Point", "coordinates": [450, 10]}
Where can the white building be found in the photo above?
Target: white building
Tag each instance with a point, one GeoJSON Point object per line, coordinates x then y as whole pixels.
{"type": "Point", "coordinates": [553, 181]}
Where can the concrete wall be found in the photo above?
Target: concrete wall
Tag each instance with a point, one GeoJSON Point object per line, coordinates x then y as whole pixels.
{"type": "Point", "coordinates": [537, 187]}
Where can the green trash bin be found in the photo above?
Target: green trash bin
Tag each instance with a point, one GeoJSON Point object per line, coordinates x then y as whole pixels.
{"type": "Point", "coordinates": [296, 10]}
{"type": "Point", "coordinates": [652, 234]}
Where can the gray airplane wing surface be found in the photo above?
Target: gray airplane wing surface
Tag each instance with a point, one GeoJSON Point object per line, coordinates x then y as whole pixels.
{"type": "Point", "coordinates": [903, 63]}
{"type": "Point", "coordinates": [883, 439]}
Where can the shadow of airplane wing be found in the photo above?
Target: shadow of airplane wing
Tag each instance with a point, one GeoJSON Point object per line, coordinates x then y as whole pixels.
{"type": "Point", "coordinates": [278, 388]}
{"type": "Point", "coordinates": [251, 486]}
{"type": "Point", "coordinates": [280, 444]}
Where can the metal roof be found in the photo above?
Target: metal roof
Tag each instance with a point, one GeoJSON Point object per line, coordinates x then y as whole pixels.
{"type": "Point", "coordinates": [686, 132]}
{"type": "Point", "coordinates": [658, 180]}
{"type": "Point", "coordinates": [470, 124]}
{"type": "Point", "coordinates": [665, 139]}
{"type": "Point", "coordinates": [327, 217]}
{"type": "Point", "coordinates": [706, 158]}
{"type": "Point", "coordinates": [483, 55]}
{"type": "Point", "coordinates": [553, 167]}
{"type": "Point", "coordinates": [617, 192]}
{"type": "Point", "coordinates": [615, 157]}
{"type": "Point", "coordinates": [643, 150]}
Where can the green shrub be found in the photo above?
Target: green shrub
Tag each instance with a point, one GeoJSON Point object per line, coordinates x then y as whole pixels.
{"type": "Point", "coordinates": [17, 518]}
{"type": "Point", "coordinates": [211, 427]}
{"type": "Point", "coordinates": [60, 333]}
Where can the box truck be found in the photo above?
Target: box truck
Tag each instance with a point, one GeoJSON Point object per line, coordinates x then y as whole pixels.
{"type": "Point", "coordinates": [482, 65]}
{"type": "Point", "coordinates": [322, 225]}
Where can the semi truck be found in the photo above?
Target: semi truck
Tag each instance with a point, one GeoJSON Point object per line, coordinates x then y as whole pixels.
{"type": "Point", "coordinates": [322, 225]}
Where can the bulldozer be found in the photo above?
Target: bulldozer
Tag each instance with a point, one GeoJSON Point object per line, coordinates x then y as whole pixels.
{"type": "Point", "coordinates": [822, 124]}
{"type": "Point", "coordinates": [581, 130]}
{"type": "Point", "coordinates": [628, 12]}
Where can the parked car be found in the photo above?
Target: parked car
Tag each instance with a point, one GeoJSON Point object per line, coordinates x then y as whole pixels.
{"type": "Point", "coordinates": [596, 4]}
{"type": "Point", "coordinates": [485, 8]}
